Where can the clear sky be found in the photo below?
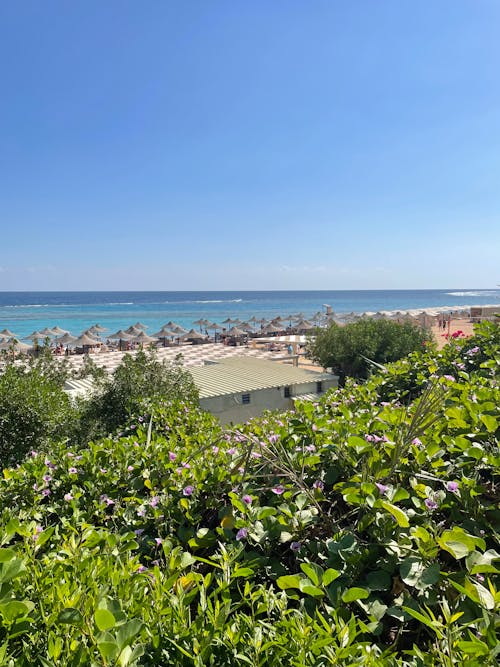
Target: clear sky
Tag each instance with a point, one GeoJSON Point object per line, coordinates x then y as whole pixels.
{"type": "Point", "coordinates": [263, 144]}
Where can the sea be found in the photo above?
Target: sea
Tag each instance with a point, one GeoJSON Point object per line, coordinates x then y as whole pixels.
{"type": "Point", "coordinates": [24, 312]}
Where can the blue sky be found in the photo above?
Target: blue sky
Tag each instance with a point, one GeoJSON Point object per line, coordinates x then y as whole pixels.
{"type": "Point", "coordinates": [249, 145]}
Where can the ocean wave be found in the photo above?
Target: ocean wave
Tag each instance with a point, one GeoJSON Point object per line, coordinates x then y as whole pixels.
{"type": "Point", "coordinates": [217, 301]}
{"type": "Point", "coordinates": [28, 305]}
{"type": "Point", "coordinates": [477, 293]}
{"type": "Point", "coordinates": [118, 303]}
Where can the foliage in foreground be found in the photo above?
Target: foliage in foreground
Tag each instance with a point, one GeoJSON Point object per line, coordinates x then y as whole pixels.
{"type": "Point", "coordinates": [34, 409]}
{"type": "Point", "coordinates": [362, 530]}
{"type": "Point", "coordinates": [348, 349]}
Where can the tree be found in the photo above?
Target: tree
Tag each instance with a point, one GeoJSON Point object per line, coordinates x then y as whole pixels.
{"type": "Point", "coordinates": [136, 379]}
{"type": "Point", "coordinates": [345, 349]}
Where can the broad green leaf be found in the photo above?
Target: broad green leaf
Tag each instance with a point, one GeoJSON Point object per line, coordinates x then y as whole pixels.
{"type": "Point", "coordinates": [6, 555]}
{"type": "Point", "coordinates": [353, 594]}
{"type": "Point", "coordinates": [397, 513]}
{"type": "Point", "coordinates": [490, 422]}
{"type": "Point", "coordinates": [313, 571]}
{"type": "Point", "coordinates": [70, 616]}
{"type": "Point", "coordinates": [329, 576]}
{"type": "Point", "coordinates": [289, 581]}
{"type": "Point", "coordinates": [307, 587]}
{"type": "Point", "coordinates": [14, 609]}
{"type": "Point", "coordinates": [108, 649]}
{"type": "Point", "coordinates": [104, 619]}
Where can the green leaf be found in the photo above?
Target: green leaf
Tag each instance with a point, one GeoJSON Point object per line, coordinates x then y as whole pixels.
{"type": "Point", "coordinates": [313, 571]}
{"type": "Point", "coordinates": [6, 555]}
{"type": "Point", "coordinates": [307, 587]}
{"type": "Point", "coordinates": [329, 576]}
{"type": "Point", "coordinates": [14, 609]}
{"type": "Point", "coordinates": [379, 580]}
{"type": "Point", "coordinates": [128, 631]}
{"type": "Point", "coordinates": [108, 649]}
{"type": "Point", "coordinates": [289, 581]}
{"type": "Point", "coordinates": [397, 513]}
{"type": "Point", "coordinates": [104, 619]}
{"type": "Point", "coordinates": [490, 422]}
{"type": "Point", "coordinates": [70, 616]}
{"type": "Point", "coordinates": [353, 594]}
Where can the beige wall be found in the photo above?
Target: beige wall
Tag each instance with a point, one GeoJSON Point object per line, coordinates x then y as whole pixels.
{"type": "Point", "coordinates": [229, 407]}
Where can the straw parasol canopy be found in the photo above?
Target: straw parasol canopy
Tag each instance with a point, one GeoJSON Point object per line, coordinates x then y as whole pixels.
{"type": "Point", "coordinates": [235, 331]}
{"type": "Point", "coordinates": [59, 332]}
{"type": "Point", "coordinates": [47, 332]}
{"type": "Point", "coordinates": [14, 344]}
{"type": "Point", "coordinates": [178, 330]}
{"type": "Point", "coordinates": [97, 327]}
{"type": "Point", "coordinates": [201, 323]}
{"type": "Point", "coordinates": [85, 340]}
{"type": "Point", "coordinates": [164, 333]}
{"type": "Point", "coordinates": [193, 335]}
{"type": "Point", "coordinates": [8, 333]}
{"type": "Point", "coordinates": [272, 328]}
{"type": "Point", "coordinates": [133, 330]}
{"type": "Point", "coordinates": [35, 335]}
{"type": "Point", "coordinates": [303, 325]}
{"type": "Point", "coordinates": [172, 325]}
{"type": "Point", "coordinates": [120, 335]}
{"type": "Point", "coordinates": [140, 325]}
{"type": "Point", "coordinates": [144, 339]}
{"type": "Point", "coordinates": [66, 339]}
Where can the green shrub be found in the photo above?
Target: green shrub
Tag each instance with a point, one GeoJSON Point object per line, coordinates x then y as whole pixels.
{"type": "Point", "coordinates": [137, 379]}
{"type": "Point", "coordinates": [33, 410]}
{"type": "Point", "coordinates": [346, 349]}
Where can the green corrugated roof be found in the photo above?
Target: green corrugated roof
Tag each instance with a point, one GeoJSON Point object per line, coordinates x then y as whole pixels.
{"type": "Point", "coordinates": [242, 374]}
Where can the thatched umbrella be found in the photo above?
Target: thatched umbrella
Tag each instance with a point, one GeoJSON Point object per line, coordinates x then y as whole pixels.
{"type": "Point", "coordinates": [163, 334]}
{"type": "Point", "coordinates": [59, 332]}
{"type": "Point", "coordinates": [140, 325]}
{"type": "Point", "coordinates": [144, 339]}
{"type": "Point", "coordinates": [272, 328]}
{"type": "Point", "coordinates": [201, 323]}
{"type": "Point", "coordinates": [303, 325]}
{"type": "Point", "coordinates": [120, 336]}
{"type": "Point", "coordinates": [236, 332]}
{"type": "Point", "coordinates": [66, 339]}
{"type": "Point", "coordinates": [8, 333]}
{"type": "Point", "coordinates": [133, 331]}
{"type": "Point", "coordinates": [84, 341]}
{"type": "Point", "coordinates": [193, 335]}
{"type": "Point", "coordinates": [35, 335]}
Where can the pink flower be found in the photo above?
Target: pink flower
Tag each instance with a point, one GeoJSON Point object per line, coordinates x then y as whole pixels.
{"type": "Point", "coordinates": [158, 541]}
{"type": "Point", "coordinates": [416, 441]}
{"type": "Point", "coordinates": [68, 497]}
{"type": "Point", "coordinates": [73, 471]}
{"type": "Point", "coordinates": [172, 456]}
{"type": "Point", "coordinates": [188, 490]}
{"type": "Point", "coordinates": [382, 488]}
{"type": "Point", "coordinates": [295, 546]}
{"type": "Point", "coordinates": [452, 486]}
{"type": "Point", "coordinates": [154, 501]}
{"type": "Point", "coordinates": [318, 484]}
{"type": "Point", "coordinates": [130, 468]}
{"type": "Point", "coordinates": [430, 504]}
{"type": "Point", "coordinates": [247, 499]}
{"type": "Point", "coordinates": [278, 490]}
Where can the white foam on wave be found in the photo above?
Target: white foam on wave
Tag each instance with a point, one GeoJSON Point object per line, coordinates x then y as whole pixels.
{"type": "Point", "coordinates": [478, 293]}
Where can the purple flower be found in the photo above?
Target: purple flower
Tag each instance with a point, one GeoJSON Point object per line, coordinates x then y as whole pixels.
{"type": "Point", "coordinates": [278, 490]}
{"type": "Point", "coordinates": [103, 470]}
{"type": "Point", "coordinates": [295, 546]}
{"type": "Point", "coordinates": [452, 486]}
{"type": "Point", "coordinates": [247, 499]}
{"type": "Point", "coordinates": [46, 492]}
{"type": "Point", "coordinates": [215, 449]}
{"type": "Point", "coordinates": [256, 455]}
{"type": "Point", "coordinates": [141, 569]}
{"type": "Point", "coordinates": [141, 511]}
{"type": "Point", "coordinates": [188, 490]}
{"type": "Point", "coordinates": [154, 501]}
{"type": "Point", "coordinates": [319, 485]}
{"type": "Point", "coordinates": [273, 438]}
{"type": "Point", "coordinates": [47, 478]}
{"type": "Point", "coordinates": [242, 534]}
{"type": "Point", "coordinates": [68, 497]}
{"type": "Point", "coordinates": [139, 531]}
{"type": "Point", "coordinates": [130, 468]}
{"type": "Point", "coordinates": [33, 453]}
{"type": "Point", "coordinates": [382, 488]}
{"type": "Point", "coordinates": [314, 427]}
{"type": "Point", "coordinates": [430, 504]}
{"type": "Point", "coordinates": [449, 377]}
{"type": "Point", "coordinates": [416, 441]}
{"type": "Point", "coordinates": [309, 448]}
{"type": "Point", "coordinates": [231, 451]}
{"type": "Point", "coordinates": [73, 471]}
{"type": "Point", "coordinates": [158, 541]}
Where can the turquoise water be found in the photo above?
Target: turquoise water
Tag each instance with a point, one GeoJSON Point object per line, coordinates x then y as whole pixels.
{"type": "Point", "coordinates": [23, 312]}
